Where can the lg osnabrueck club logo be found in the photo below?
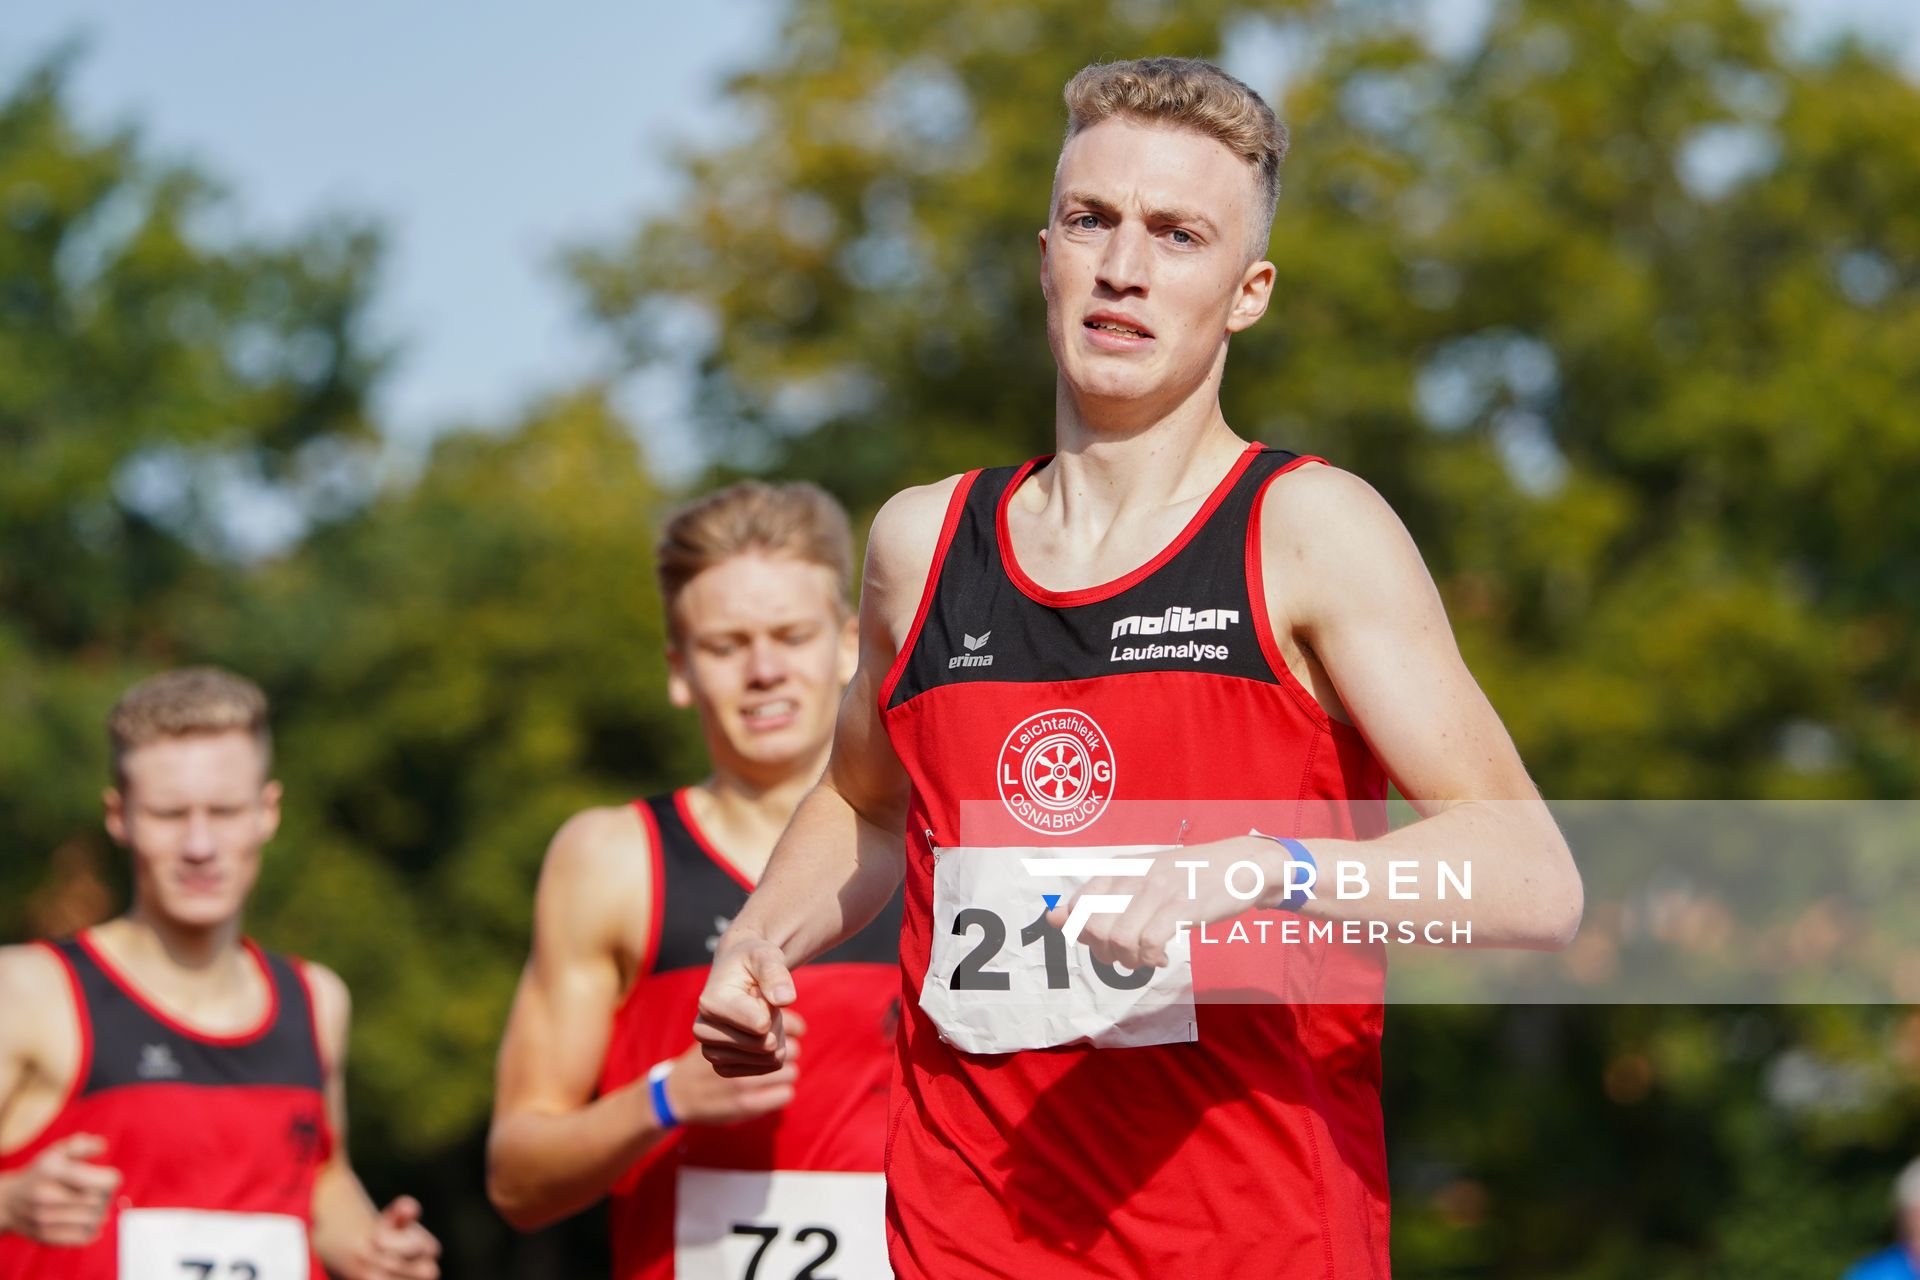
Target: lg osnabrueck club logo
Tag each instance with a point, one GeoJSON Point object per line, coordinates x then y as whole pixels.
{"type": "Point", "coordinates": [1056, 771]}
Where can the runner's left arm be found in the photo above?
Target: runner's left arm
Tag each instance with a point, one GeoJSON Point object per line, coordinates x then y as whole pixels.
{"type": "Point", "coordinates": [1362, 598]}
{"type": "Point", "coordinates": [355, 1241]}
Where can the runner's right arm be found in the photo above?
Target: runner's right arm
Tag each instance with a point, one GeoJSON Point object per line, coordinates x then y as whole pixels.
{"type": "Point", "coordinates": [554, 1148]}
{"type": "Point", "coordinates": [843, 853]}
{"type": "Point", "coordinates": [62, 1196]}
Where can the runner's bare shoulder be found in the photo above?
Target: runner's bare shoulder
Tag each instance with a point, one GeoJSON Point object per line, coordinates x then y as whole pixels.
{"type": "Point", "coordinates": [1326, 535]}
{"type": "Point", "coordinates": [38, 998]}
{"type": "Point", "coordinates": [332, 1008]}
{"type": "Point", "coordinates": [599, 869]}
{"type": "Point", "coordinates": [901, 547]}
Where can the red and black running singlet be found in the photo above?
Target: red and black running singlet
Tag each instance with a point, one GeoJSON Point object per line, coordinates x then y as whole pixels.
{"type": "Point", "coordinates": [758, 1184]}
{"type": "Point", "coordinates": [1232, 1137]}
{"type": "Point", "coordinates": [217, 1138]}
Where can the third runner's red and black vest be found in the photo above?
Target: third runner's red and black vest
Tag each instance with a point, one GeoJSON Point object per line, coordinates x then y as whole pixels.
{"type": "Point", "coordinates": [217, 1138]}
{"type": "Point", "coordinates": [1060, 1116]}
{"type": "Point", "coordinates": [796, 1188]}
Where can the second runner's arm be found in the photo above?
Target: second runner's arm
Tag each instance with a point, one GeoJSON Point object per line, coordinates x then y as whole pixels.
{"type": "Point", "coordinates": [554, 1147]}
{"type": "Point", "coordinates": [843, 854]}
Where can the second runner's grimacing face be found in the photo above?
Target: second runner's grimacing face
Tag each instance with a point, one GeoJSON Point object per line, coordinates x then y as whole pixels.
{"type": "Point", "coordinates": [1145, 262]}
{"type": "Point", "coordinates": [763, 652]}
{"type": "Point", "coordinates": [194, 813]}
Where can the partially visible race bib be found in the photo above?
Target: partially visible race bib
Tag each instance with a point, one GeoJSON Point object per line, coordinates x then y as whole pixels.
{"type": "Point", "coordinates": [200, 1244]}
{"type": "Point", "coordinates": [1001, 979]}
{"type": "Point", "coordinates": [738, 1225]}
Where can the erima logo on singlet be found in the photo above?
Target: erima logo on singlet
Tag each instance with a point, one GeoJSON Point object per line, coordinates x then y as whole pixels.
{"type": "Point", "coordinates": [1177, 619]}
{"type": "Point", "coordinates": [970, 658]}
{"type": "Point", "coordinates": [157, 1063]}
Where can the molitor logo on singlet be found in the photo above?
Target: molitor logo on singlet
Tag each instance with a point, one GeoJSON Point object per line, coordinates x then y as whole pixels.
{"type": "Point", "coordinates": [1174, 621]}
{"type": "Point", "coordinates": [1056, 771]}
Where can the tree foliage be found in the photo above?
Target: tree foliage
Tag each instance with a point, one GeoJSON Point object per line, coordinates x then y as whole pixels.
{"type": "Point", "coordinates": [149, 370]}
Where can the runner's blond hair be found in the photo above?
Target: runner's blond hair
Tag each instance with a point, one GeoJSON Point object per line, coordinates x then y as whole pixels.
{"type": "Point", "coordinates": [1188, 93]}
{"type": "Point", "coordinates": [794, 519]}
{"type": "Point", "coordinates": [184, 703]}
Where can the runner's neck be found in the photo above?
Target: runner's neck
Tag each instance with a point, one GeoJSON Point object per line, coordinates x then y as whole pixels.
{"type": "Point", "coordinates": [203, 977]}
{"type": "Point", "coordinates": [743, 818]}
{"type": "Point", "coordinates": [1094, 514]}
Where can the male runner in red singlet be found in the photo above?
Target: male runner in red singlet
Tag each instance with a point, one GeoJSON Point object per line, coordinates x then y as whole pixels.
{"type": "Point", "coordinates": [1159, 636]}
{"type": "Point", "coordinates": [172, 1098]}
{"type": "Point", "coordinates": [600, 1085]}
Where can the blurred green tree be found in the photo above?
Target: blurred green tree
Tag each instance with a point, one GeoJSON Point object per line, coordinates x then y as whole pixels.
{"type": "Point", "coordinates": [472, 657]}
{"type": "Point", "coordinates": [466, 662]}
{"type": "Point", "coordinates": [152, 368]}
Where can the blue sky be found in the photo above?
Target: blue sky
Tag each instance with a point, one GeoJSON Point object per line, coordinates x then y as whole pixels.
{"type": "Point", "coordinates": [482, 136]}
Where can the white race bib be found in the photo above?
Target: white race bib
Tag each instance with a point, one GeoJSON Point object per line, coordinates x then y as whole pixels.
{"type": "Point", "coordinates": [1000, 979]}
{"type": "Point", "coordinates": [199, 1244]}
{"type": "Point", "coordinates": [737, 1225]}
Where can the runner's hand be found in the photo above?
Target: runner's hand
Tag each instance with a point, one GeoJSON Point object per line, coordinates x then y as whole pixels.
{"type": "Point", "coordinates": [700, 1094]}
{"type": "Point", "coordinates": [62, 1197]}
{"type": "Point", "coordinates": [740, 1028]}
{"type": "Point", "coordinates": [1167, 898]}
{"type": "Point", "coordinates": [398, 1248]}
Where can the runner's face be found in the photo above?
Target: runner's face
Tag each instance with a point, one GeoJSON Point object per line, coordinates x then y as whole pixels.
{"type": "Point", "coordinates": [1144, 261]}
{"type": "Point", "coordinates": [194, 815]}
{"type": "Point", "coordinates": [764, 653]}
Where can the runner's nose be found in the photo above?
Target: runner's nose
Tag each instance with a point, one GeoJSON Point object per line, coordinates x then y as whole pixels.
{"type": "Point", "coordinates": [766, 663]}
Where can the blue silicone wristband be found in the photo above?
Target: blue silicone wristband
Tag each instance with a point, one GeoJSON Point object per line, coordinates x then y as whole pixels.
{"type": "Point", "coordinates": [1296, 895]}
{"type": "Point", "coordinates": [657, 1087]}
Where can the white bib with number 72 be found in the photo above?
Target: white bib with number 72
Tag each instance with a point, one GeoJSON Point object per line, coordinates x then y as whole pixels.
{"type": "Point", "coordinates": [1001, 979]}
{"type": "Point", "coordinates": [733, 1224]}
{"type": "Point", "coordinates": [201, 1244]}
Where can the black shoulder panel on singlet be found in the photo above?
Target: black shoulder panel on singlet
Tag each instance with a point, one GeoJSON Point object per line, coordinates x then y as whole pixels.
{"type": "Point", "coordinates": [132, 1046]}
{"type": "Point", "coordinates": [702, 896]}
{"type": "Point", "coordinates": [1191, 613]}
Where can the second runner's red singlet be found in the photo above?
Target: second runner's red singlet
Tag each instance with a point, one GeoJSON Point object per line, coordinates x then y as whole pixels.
{"type": "Point", "coordinates": [218, 1139]}
{"type": "Point", "coordinates": [795, 1189]}
{"type": "Point", "coordinates": [1059, 1116]}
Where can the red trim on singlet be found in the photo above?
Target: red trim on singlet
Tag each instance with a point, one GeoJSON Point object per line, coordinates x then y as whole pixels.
{"type": "Point", "coordinates": [83, 1026]}
{"type": "Point", "coordinates": [706, 846]}
{"type": "Point", "coordinates": [1263, 622]}
{"type": "Point", "coordinates": [1106, 590]}
{"type": "Point", "coordinates": [319, 1050]}
{"type": "Point", "coordinates": [659, 904]}
{"type": "Point", "coordinates": [955, 505]}
{"type": "Point", "coordinates": [313, 1015]}
{"type": "Point", "coordinates": [134, 994]}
